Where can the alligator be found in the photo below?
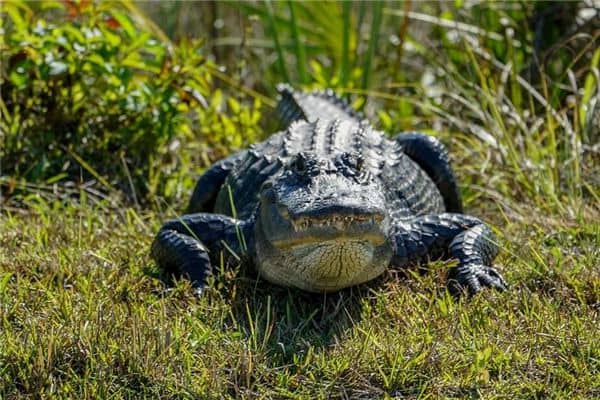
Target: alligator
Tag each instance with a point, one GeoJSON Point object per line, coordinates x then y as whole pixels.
{"type": "Point", "coordinates": [327, 203]}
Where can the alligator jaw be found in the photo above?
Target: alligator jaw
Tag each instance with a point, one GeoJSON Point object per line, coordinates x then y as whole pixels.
{"type": "Point", "coordinates": [339, 222]}
{"type": "Point", "coordinates": [318, 265]}
{"type": "Point", "coordinates": [333, 228]}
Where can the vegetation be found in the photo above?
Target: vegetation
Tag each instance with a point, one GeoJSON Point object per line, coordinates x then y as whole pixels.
{"type": "Point", "coordinates": [108, 118]}
{"type": "Point", "coordinates": [94, 87]}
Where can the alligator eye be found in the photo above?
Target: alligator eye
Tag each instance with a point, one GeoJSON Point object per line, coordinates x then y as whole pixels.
{"type": "Point", "coordinates": [355, 161]}
{"type": "Point", "coordinates": [299, 164]}
{"type": "Point", "coordinates": [359, 162]}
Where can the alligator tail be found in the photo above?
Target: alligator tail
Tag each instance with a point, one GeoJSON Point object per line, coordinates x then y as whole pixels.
{"type": "Point", "coordinates": [310, 106]}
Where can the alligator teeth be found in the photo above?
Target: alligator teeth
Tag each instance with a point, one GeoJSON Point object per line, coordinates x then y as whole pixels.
{"type": "Point", "coordinates": [337, 221]}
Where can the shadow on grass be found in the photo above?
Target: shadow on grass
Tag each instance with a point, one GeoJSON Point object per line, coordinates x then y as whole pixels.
{"type": "Point", "coordinates": [282, 322]}
{"type": "Point", "coordinates": [288, 321]}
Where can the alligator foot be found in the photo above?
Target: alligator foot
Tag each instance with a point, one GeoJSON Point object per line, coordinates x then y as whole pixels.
{"type": "Point", "coordinates": [473, 278]}
{"type": "Point", "coordinates": [475, 248]}
{"type": "Point", "coordinates": [465, 238]}
{"type": "Point", "coordinates": [184, 246]}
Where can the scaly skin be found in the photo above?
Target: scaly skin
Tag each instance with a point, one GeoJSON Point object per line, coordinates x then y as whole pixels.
{"type": "Point", "coordinates": [329, 203]}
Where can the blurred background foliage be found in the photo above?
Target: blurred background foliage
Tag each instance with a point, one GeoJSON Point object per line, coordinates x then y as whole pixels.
{"type": "Point", "coordinates": [136, 98]}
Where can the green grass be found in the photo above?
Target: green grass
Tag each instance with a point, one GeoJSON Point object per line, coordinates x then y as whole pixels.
{"type": "Point", "coordinates": [83, 315]}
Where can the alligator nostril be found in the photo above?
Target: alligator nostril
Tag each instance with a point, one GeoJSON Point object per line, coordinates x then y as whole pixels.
{"type": "Point", "coordinates": [267, 185]}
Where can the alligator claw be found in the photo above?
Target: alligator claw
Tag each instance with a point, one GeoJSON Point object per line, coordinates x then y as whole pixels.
{"type": "Point", "coordinates": [474, 278]}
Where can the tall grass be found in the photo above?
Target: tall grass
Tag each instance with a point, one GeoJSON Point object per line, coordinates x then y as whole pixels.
{"type": "Point", "coordinates": [471, 85]}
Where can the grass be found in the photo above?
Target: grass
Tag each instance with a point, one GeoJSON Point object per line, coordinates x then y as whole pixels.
{"type": "Point", "coordinates": [83, 315]}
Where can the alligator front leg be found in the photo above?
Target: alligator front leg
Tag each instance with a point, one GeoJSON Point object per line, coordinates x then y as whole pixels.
{"type": "Point", "coordinates": [459, 236]}
{"type": "Point", "coordinates": [185, 246]}
{"type": "Point", "coordinates": [208, 185]}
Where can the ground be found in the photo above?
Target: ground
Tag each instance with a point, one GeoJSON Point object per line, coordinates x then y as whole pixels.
{"type": "Point", "coordinates": [84, 315]}
{"type": "Point", "coordinates": [511, 88]}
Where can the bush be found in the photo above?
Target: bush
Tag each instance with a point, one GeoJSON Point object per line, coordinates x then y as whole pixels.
{"type": "Point", "coordinates": [95, 95]}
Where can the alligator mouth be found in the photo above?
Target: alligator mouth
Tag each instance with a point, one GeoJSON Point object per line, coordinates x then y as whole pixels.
{"type": "Point", "coordinates": [309, 229]}
{"type": "Point", "coordinates": [339, 222]}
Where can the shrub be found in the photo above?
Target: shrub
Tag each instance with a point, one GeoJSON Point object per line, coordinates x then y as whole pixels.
{"type": "Point", "coordinates": [95, 95]}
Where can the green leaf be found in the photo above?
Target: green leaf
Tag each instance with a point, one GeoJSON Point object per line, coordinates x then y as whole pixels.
{"type": "Point", "coordinates": [125, 23]}
{"type": "Point", "coordinates": [385, 120]}
{"type": "Point", "coordinates": [13, 9]}
{"type": "Point", "coordinates": [56, 178]}
{"type": "Point", "coordinates": [234, 105]}
{"type": "Point", "coordinates": [19, 79]}
{"type": "Point", "coordinates": [74, 34]}
{"type": "Point", "coordinates": [140, 40]}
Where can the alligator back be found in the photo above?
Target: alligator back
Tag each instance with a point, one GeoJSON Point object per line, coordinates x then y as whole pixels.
{"type": "Point", "coordinates": [409, 190]}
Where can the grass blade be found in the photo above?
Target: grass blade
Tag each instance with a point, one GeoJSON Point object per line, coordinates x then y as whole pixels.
{"type": "Point", "coordinates": [375, 28]}
{"type": "Point", "coordinates": [403, 32]}
{"type": "Point", "coordinates": [346, 14]}
{"type": "Point", "coordinates": [90, 169]}
{"type": "Point", "coordinates": [278, 48]}
{"type": "Point", "coordinates": [298, 46]}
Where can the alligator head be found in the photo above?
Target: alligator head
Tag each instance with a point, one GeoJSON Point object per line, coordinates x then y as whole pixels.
{"type": "Point", "coordinates": [322, 224]}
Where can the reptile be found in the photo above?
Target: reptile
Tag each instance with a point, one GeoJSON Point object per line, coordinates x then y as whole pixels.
{"type": "Point", "coordinates": [327, 203]}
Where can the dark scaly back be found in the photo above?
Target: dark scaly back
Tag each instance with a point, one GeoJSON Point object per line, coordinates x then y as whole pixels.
{"type": "Point", "coordinates": [326, 138]}
{"type": "Point", "coordinates": [324, 124]}
{"type": "Point", "coordinates": [412, 190]}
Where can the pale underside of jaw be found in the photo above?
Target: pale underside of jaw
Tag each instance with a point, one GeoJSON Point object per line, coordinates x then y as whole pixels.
{"type": "Point", "coordinates": [326, 266]}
